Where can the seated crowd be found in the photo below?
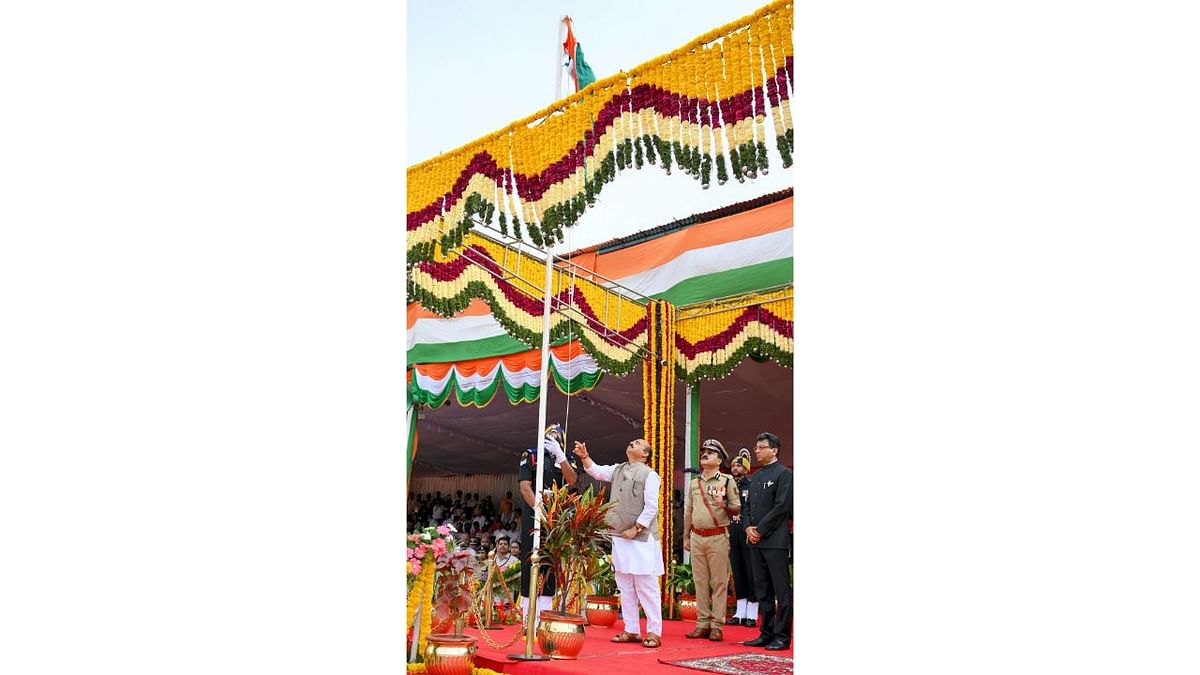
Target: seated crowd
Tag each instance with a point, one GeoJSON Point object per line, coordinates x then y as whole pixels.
{"type": "Point", "coordinates": [479, 522]}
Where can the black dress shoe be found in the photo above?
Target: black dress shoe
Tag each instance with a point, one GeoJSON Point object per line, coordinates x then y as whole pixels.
{"type": "Point", "coordinates": [750, 623]}
{"type": "Point", "coordinates": [759, 641]}
{"type": "Point", "coordinates": [778, 645]}
{"type": "Point", "coordinates": [734, 622]}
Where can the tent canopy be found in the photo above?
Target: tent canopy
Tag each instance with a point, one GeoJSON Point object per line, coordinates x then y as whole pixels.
{"type": "Point", "coordinates": [484, 425]}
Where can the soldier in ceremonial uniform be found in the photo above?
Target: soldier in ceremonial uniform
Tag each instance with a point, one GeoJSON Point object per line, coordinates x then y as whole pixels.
{"type": "Point", "coordinates": [746, 613]}
{"type": "Point", "coordinates": [765, 519]}
{"type": "Point", "coordinates": [559, 470]}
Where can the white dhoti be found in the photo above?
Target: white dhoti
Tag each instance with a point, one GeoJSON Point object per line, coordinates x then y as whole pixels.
{"type": "Point", "coordinates": [640, 589]}
{"type": "Point", "coordinates": [638, 564]}
{"type": "Point", "coordinates": [637, 557]}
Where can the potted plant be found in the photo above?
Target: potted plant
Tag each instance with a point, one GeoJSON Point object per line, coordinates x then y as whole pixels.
{"type": "Point", "coordinates": [603, 605]}
{"type": "Point", "coordinates": [683, 584]}
{"type": "Point", "coordinates": [573, 531]}
{"type": "Point", "coordinates": [456, 571]}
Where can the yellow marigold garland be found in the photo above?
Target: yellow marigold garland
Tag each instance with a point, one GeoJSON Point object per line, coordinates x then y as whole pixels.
{"type": "Point", "coordinates": [615, 312]}
{"type": "Point", "coordinates": [757, 336]}
{"type": "Point", "coordinates": [528, 150]}
{"type": "Point", "coordinates": [421, 593]}
{"type": "Point", "coordinates": [658, 398]}
{"type": "Point", "coordinates": [420, 668]}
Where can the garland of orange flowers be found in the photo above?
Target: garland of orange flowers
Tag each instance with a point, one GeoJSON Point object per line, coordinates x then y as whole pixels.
{"type": "Point", "coordinates": [541, 172]}
{"type": "Point", "coordinates": [658, 398]}
{"type": "Point", "coordinates": [421, 593]}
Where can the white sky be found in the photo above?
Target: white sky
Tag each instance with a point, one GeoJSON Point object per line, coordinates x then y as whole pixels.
{"type": "Point", "coordinates": [474, 67]}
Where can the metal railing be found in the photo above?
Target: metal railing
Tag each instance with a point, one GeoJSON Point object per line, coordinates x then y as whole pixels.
{"type": "Point", "coordinates": [517, 249]}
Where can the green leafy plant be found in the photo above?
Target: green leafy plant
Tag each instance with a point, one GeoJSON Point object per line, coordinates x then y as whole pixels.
{"type": "Point", "coordinates": [603, 577]}
{"type": "Point", "coordinates": [681, 578]}
{"type": "Point", "coordinates": [573, 530]}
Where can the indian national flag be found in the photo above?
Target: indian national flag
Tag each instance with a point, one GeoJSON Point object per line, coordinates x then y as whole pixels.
{"type": "Point", "coordinates": [581, 72]}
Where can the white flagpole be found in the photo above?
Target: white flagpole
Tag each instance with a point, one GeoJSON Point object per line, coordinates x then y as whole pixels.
{"type": "Point", "coordinates": [558, 68]}
{"type": "Point", "coordinates": [541, 453]}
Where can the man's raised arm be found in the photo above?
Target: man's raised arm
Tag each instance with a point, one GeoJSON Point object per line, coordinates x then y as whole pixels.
{"type": "Point", "coordinates": [601, 473]}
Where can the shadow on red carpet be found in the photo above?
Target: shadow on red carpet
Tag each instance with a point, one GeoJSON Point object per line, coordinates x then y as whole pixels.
{"type": "Point", "coordinates": [599, 654]}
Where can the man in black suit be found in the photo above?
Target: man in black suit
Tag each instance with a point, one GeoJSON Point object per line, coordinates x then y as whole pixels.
{"type": "Point", "coordinates": [765, 518]}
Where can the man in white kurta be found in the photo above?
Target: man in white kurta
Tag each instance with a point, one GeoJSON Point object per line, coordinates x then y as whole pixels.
{"type": "Point", "coordinates": [636, 550]}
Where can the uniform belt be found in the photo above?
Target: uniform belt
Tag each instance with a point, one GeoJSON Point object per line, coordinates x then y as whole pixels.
{"type": "Point", "coordinates": [708, 533]}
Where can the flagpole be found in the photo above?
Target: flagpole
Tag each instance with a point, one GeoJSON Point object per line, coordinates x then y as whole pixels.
{"type": "Point", "coordinates": [558, 52]}
{"type": "Point", "coordinates": [531, 611]}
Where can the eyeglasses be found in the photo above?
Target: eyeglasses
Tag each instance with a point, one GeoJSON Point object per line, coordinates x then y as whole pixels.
{"type": "Point", "coordinates": [762, 447]}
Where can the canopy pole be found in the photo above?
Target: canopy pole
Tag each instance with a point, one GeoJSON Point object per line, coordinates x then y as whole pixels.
{"type": "Point", "coordinates": [413, 415]}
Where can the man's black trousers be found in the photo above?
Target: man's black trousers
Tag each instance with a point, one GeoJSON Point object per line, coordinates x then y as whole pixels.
{"type": "Point", "coordinates": [773, 591]}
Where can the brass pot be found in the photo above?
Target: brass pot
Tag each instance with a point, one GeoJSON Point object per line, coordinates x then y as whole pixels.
{"type": "Point", "coordinates": [449, 654]}
{"type": "Point", "coordinates": [560, 635]}
{"type": "Point", "coordinates": [687, 607]}
{"type": "Point", "coordinates": [602, 610]}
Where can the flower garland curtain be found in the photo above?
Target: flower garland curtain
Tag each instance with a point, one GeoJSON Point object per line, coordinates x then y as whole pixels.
{"type": "Point", "coordinates": [696, 109]}
{"type": "Point", "coordinates": [713, 337]}
{"type": "Point", "coordinates": [611, 329]}
{"type": "Point", "coordinates": [658, 400]}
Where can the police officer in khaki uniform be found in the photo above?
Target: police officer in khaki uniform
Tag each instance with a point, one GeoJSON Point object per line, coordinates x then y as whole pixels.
{"type": "Point", "coordinates": [712, 500]}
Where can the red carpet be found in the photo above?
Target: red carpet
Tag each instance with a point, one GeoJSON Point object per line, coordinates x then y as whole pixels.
{"type": "Point", "coordinates": [599, 654]}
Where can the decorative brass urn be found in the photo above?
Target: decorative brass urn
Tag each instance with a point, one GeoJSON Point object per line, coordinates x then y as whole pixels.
{"type": "Point", "coordinates": [449, 654]}
{"type": "Point", "coordinates": [602, 610]}
{"type": "Point", "coordinates": [687, 607]}
{"type": "Point", "coordinates": [560, 635]}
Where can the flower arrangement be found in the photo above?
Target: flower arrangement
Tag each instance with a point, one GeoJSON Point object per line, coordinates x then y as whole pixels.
{"type": "Point", "coordinates": [420, 595]}
{"type": "Point", "coordinates": [423, 550]}
{"type": "Point", "coordinates": [447, 574]}
{"type": "Point", "coordinates": [433, 541]}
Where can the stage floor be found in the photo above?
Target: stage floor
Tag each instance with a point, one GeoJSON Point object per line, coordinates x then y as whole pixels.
{"type": "Point", "coordinates": [599, 654]}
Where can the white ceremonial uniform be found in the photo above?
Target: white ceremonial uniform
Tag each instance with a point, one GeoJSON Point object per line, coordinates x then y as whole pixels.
{"type": "Point", "coordinates": [637, 564]}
